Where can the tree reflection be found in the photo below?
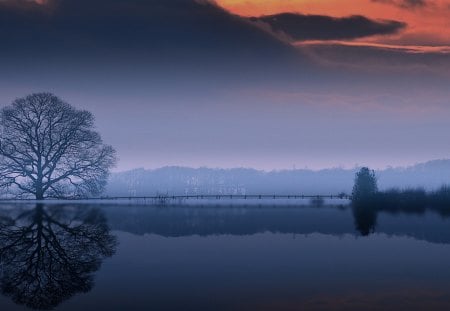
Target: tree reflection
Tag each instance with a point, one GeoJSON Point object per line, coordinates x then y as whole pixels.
{"type": "Point", "coordinates": [365, 217]}
{"type": "Point", "coordinates": [49, 253]}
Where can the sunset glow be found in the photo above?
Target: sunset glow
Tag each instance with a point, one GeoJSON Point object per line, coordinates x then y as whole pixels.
{"type": "Point", "coordinates": [428, 24]}
{"type": "Point", "coordinates": [254, 88]}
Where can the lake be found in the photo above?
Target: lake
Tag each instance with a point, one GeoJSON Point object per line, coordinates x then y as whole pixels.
{"type": "Point", "coordinates": [126, 257]}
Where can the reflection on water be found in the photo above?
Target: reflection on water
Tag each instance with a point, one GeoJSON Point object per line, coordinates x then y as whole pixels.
{"type": "Point", "coordinates": [222, 258]}
{"type": "Point", "coordinates": [49, 253]}
{"type": "Point", "coordinates": [366, 214]}
{"type": "Point", "coordinates": [365, 219]}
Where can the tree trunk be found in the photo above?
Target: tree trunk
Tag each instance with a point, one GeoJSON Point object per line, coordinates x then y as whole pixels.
{"type": "Point", "coordinates": [39, 190]}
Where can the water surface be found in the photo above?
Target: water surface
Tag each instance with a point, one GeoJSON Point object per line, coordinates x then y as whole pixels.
{"type": "Point", "coordinates": [75, 257]}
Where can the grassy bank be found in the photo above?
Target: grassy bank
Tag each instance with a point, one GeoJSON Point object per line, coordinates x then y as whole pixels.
{"type": "Point", "coordinates": [408, 200]}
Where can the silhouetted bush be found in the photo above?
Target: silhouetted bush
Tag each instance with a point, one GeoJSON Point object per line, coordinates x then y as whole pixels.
{"type": "Point", "coordinates": [409, 200]}
{"type": "Point", "coordinates": [439, 200]}
{"type": "Point", "coordinates": [367, 201]}
{"type": "Point", "coordinates": [365, 186]}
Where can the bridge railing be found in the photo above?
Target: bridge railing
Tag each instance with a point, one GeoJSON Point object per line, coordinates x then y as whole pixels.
{"type": "Point", "coordinates": [167, 198]}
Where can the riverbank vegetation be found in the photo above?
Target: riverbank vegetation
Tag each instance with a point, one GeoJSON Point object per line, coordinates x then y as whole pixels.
{"type": "Point", "coordinates": [366, 195]}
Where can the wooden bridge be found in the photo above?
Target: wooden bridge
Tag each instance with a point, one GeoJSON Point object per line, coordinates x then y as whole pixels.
{"type": "Point", "coordinates": [227, 197]}
{"type": "Point", "coordinates": [178, 198]}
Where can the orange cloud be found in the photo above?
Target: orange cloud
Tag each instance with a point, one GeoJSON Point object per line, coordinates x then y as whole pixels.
{"type": "Point", "coordinates": [428, 25]}
{"type": "Point", "coordinates": [405, 48]}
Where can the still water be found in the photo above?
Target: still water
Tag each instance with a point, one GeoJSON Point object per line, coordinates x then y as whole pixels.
{"type": "Point", "coordinates": [82, 257]}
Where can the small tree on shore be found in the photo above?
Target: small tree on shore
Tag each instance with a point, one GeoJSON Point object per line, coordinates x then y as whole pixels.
{"type": "Point", "coordinates": [365, 186]}
{"type": "Point", "coordinates": [48, 148]}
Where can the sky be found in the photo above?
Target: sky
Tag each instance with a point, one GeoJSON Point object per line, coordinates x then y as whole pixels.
{"type": "Point", "coordinates": [263, 84]}
{"type": "Point", "coordinates": [428, 23]}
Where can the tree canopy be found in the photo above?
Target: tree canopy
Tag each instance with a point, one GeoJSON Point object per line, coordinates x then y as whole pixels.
{"type": "Point", "coordinates": [49, 148]}
{"type": "Point", "coordinates": [365, 186]}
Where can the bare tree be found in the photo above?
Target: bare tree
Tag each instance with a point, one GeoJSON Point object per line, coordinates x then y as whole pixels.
{"type": "Point", "coordinates": [50, 149]}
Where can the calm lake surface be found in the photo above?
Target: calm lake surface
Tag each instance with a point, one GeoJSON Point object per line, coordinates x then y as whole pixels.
{"type": "Point", "coordinates": [84, 257]}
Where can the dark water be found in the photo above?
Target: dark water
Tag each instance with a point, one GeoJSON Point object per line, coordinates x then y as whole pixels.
{"type": "Point", "coordinates": [81, 257]}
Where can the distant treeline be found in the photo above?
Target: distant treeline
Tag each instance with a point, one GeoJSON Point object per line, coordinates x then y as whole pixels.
{"type": "Point", "coordinates": [182, 180]}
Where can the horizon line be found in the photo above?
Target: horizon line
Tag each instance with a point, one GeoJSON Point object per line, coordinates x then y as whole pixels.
{"type": "Point", "coordinates": [293, 169]}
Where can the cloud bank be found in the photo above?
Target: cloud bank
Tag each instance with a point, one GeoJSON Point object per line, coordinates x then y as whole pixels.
{"type": "Point", "coordinates": [408, 4]}
{"type": "Point", "coordinates": [319, 27]}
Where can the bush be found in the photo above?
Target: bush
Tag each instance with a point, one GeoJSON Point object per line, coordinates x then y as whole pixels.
{"type": "Point", "coordinates": [365, 186]}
